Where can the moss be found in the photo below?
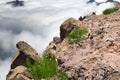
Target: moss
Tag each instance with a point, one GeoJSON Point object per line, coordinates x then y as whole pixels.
{"type": "Point", "coordinates": [109, 10]}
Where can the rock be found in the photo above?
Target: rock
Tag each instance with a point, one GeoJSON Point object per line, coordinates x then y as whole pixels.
{"type": "Point", "coordinates": [52, 48]}
{"type": "Point", "coordinates": [18, 59]}
{"type": "Point", "coordinates": [25, 48]}
{"type": "Point", "coordinates": [24, 51]}
{"type": "Point", "coordinates": [117, 6]}
{"type": "Point", "coordinates": [18, 70]}
{"type": "Point", "coordinates": [81, 18]}
{"type": "Point", "coordinates": [56, 40]}
{"type": "Point", "coordinates": [69, 25]}
{"type": "Point", "coordinates": [19, 73]}
{"type": "Point", "coordinates": [21, 77]}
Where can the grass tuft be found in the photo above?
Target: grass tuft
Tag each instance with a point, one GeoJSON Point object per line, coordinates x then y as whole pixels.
{"type": "Point", "coordinates": [63, 76]}
{"type": "Point", "coordinates": [77, 35]}
{"type": "Point", "coordinates": [109, 10]}
{"type": "Point", "coordinates": [43, 68]}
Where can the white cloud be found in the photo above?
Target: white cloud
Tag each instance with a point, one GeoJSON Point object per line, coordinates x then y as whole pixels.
{"type": "Point", "coordinates": [100, 1]}
{"type": "Point", "coordinates": [4, 68]}
{"type": "Point", "coordinates": [36, 41]}
{"type": "Point", "coordinates": [117, 0]}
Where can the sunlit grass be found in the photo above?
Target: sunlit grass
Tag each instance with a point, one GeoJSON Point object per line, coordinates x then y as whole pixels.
{"type": "Point", "coordinates": [109, 10]}
{"type": "Point", "coordinates": [43, 68]}
{"type": "Point", "coordinates": [77, 35]}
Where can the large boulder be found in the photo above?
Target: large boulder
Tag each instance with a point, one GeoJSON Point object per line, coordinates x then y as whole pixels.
{"type": "Point", "coordinates": [24, 51]}
{"type": "Point", "coordinates": [69, 25]}
{"type": "Point", "coordinates": [18, 70]}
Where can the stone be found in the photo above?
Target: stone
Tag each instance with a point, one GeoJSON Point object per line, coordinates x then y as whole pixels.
{"type": "Point", "coordinates": [25, 48]}
{"type": "Point", "coordinates": [69, 25]}
{"type": "Point", "coordinates": [21, 77]}
{"type": "Point", "coordinates": [117, 6]}
{"type": "Point", "coordinates": [19, 73]}
{"type": "Point", "coordinates": [56, 40]}
{"type": "Point", "coordinates": [18, 70]}
{"type": "Point", "coordinates": [81, 18]}
{"type": "Point", "coordinates": [24, 51]}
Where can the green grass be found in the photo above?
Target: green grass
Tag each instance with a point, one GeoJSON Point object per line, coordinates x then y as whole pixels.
{"type": "Point", "coordinates": [43, 68]}
{"type": "Point", "coordinates": [77, 35]}
{"type": "Point", "coordinates": [63, 76]}
{"type": "Point", "coordinates": [109, 10]}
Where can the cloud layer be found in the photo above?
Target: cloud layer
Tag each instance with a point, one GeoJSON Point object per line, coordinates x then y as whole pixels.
{"type": "Point", "coordinates": [36, 23]}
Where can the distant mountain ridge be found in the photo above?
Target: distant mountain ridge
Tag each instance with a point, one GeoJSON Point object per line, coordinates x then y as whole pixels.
{"type": "Point", "coordinates": [16, 3]}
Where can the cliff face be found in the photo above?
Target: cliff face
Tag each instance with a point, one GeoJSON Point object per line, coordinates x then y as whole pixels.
{"type": "Point", "coordinates": [97, 56]}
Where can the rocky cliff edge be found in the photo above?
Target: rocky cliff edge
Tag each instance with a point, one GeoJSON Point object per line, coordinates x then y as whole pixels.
{"type": "Point", "coordinates": [95, 57]}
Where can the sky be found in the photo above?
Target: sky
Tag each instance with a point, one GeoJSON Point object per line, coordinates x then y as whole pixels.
{"type": "Point", "coordinates": [37, 23]}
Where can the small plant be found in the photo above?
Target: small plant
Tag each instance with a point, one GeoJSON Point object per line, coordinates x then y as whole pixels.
{"type": "Point", "coordinates": [109, 10]}
{"type": "Point", "coordinates": [63, 76]}
{"type": "Point", "coordinates": [43, 68]}
{"type": "Point", "coordinates": [77, 35]}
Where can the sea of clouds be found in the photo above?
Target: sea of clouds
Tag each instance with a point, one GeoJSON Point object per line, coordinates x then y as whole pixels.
{"type": "Point", "coordinates": [37, 23]}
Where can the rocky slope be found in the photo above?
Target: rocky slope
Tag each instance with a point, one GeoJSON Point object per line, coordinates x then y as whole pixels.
{"type": "Point", "coordinates": [96, 57]}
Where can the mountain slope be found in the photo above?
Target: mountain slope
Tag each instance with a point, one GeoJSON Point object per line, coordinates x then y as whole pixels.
{"type": "Point", "coordinates": [97, 56]}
